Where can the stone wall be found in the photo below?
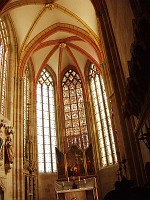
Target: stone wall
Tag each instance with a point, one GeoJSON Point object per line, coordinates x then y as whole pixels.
{"type": "Point", "coordinates": [46, 186]}
{"type": "Point", "coordinates": [121, 17]}
{"type": "Point", "coordinates": [107, 176]}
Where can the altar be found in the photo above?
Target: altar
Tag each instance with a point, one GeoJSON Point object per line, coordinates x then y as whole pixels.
{"type": "Point", "coordinates": [76, 174]}
{"type": "Point", "coordinates": [76, 189]}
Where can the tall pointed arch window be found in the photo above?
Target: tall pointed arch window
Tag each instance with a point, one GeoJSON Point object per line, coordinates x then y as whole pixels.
{"type": "Point", "coordinates": [3, 65]}
{"type": "Point", "coordinates": [30, 182]}
{"type": "Point", "coordinates": [74, 111]}
{"type": "Point", "coordinates": [46, 123]}
{"type": "Point", "coordinates": [26, 113]}
{"type": "Point", "coordinates": [102, 117]}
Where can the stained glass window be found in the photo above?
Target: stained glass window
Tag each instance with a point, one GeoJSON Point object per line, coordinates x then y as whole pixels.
{"type": "Point", "coordinates": [3, 64]}
{"type": "Point", "coordinates": [46, 123]}
{"type": "Point", "coordinates": [102, 117]}
{"type": "Point", "coordinates": [74, 111]}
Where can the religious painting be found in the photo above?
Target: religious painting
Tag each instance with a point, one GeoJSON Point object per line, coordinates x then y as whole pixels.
{"type": "Point", "coordinates": [75, 162]}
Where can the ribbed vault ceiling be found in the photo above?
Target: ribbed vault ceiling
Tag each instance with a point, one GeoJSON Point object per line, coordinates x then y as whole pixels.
{"type": "Point", "coordinates": [56, 33]}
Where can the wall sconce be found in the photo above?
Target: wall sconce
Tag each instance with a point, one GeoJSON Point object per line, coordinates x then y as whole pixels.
{"type": "Point", "coordinates": [145, 137]}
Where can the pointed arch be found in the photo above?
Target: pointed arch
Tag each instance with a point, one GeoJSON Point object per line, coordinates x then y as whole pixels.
{"type": "Point", "coordinates": [4, 65]}
{"type": "Point", "coordinates": [107, 150]}
{"type": "Point", "coordinates": [46, 123]}
{"type": "Point", "coordinates": [33, 45]}
{"type": "Point", "coordinates": [76, 131]}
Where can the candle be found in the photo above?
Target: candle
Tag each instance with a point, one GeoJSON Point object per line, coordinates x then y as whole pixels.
{"type": "Point", "coordinates": [79, 178]}
{"type": "Point", "coordinates": [68, 179]}
{"type": "Point", "coordinates": [84, 181]}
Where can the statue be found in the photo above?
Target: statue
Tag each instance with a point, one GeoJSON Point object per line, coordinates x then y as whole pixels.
{"type": "Point", "coordinates": [9, 150]}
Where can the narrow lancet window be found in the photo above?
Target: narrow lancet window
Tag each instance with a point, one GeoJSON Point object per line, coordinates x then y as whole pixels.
{"type": "Point", "coordinates": [46, 123]}
{"type": "Point", "coordinates": [3, 65]}
{"type": "Point", "coordinates": [102, 118]}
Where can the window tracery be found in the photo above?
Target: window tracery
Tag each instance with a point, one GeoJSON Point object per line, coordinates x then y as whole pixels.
{"type": "Point", "coordinates": [26, 124]}
{"type": "Point", "coordinates": [3, 64]}
{"type": "Point", "coordinates": [30, 164]}
{"type": "Point", "coordinates": [74, 111]}
{"type": "Point", "coordinates": [102, 118]}
{"type": "Point", "coordinates": [46, 123]}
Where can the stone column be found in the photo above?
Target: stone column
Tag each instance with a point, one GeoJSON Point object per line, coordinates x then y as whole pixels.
{"type": "Point", "coordinates": [18, 181]}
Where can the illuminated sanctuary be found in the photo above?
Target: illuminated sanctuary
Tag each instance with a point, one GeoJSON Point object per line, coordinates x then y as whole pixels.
{"type": "Point", "coordinates": [74, 99]}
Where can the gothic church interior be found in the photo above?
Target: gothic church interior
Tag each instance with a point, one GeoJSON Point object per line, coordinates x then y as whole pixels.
{"type": "Point", "coordinates": [74, 98]}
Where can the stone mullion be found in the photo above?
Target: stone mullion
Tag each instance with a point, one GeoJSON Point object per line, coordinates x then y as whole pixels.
{"type": "Point", "coordinates": [61, 128]}
{"type": "Point", "coordinates": [92, 130]}
{"type": "Point", "coordinates": [92, 134]}
{"type": "Point", "coordinates": [59, 109]}
{"type": "Point", "coordinates": [35, 150]}
{"type": "Point", "coordinates": [32, 130]}
{"type": "Point", "coordinates": [113, 111]}
{"type": "Point", "coordinates": [109, 91]}
{"type": "Point", "coordinates": [9, 98]}
{"type": "Point", "coordinates": [33, 133]}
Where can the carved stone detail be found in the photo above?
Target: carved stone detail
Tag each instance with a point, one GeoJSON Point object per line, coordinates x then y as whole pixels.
{"type": "Point", "coordinates": [30, 166]}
